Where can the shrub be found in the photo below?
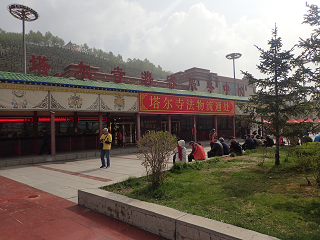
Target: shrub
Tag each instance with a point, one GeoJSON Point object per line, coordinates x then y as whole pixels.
{"type": "Point", "coordinates": [155, 150]}
{"type": "Point", "coordinates": [308, 160]}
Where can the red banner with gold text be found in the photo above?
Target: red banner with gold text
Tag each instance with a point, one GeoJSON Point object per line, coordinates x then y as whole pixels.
{"type": "Point", "coordinates": [165, 103]}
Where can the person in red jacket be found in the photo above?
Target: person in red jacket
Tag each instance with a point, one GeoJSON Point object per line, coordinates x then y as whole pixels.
{"type": "Point", "coordinates": [197, 152]}
{"type": "Point", "coordinates": [212, 134]}
{"type": "Point", "coordinates": [120, 139]}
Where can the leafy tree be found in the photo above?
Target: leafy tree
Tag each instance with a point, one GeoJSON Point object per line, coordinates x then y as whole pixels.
{"type": "Point", "coordinates": [282, 93]}
{"type": "Point", "coordinates": [155, 148]}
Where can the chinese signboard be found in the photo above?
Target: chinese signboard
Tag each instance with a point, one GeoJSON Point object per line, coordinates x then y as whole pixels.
{"type": "Point", "coordinates": [83, 70]}
{"type": "Point", "coordinates": [163, 103]}
{"type": "Point", "coordinates": [40, 64]}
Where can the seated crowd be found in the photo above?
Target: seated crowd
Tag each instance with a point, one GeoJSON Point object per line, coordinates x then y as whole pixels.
{"type": "Point", "coordinates": [219, 147]}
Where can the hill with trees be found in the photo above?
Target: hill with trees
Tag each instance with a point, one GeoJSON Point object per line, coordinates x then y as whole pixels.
{"type": "Point", "coordinates": [52, 47]}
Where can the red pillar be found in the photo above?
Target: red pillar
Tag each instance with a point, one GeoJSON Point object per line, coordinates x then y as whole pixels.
{"type": "Point", "coordinates": [53, 134]}
{"type": "Point", "coordinates": [100, 123]}
{"type": "Point", "coordinates": [35, 124]}
{"type": "Point", "coordinates": [75, 123]}
{"type": "Point", "coordinates": [138, 126]}
{"type": "Point", "coordinates": [169, 123]}
{"type": "Point", "coordinates": [234, 125]}
{"type": "Point", "coordinates": [216, 124]}
{"type": "Point", "coordinates": [194, 129]}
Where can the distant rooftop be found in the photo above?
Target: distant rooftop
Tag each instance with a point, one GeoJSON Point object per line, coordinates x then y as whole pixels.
{"type": "Point", "coordinates": [71, 46]}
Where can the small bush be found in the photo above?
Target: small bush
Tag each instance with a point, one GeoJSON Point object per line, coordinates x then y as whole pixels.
{"type": "Point", "coordinates": [232, 154]}
{"type": "Point", "coordinates": [308, 161]}
{"type": "Point", "coordinates": [155, 150]}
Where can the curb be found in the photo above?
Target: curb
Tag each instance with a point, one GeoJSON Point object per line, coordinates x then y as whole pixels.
{"type": "Point", "coordinates": [163, 221]}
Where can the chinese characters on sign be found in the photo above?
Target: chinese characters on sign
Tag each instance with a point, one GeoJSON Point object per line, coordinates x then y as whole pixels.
{"type": "Point", "coordinates": [192, 84]}
{"type": "Point", "coordinates": [146, 78]}
{"type": "Point", "coordinates": [149, 124]}
{"type": "Point", "coordinates": [163, 103]}
{"type": "Point", "coordinates": [210, 87]}
{"type": "Point", "coordinates": [240, 91]}
{"type": "Point", "coordinates": [226, 88]}
{"type": "Point", "coordinates": [41, 65]}
{"type": "Point", "coordinates": [171, 81]}
{"type": "Point", "coordinates": [84, 70]}
{"type": "Point", "coordinates": [117, 72]}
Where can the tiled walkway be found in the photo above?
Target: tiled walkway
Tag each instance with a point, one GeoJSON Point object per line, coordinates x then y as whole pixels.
{"type": "Point", "coordinates": [27, 213]}
{"type": "Point", "coordinates": [39, 201]}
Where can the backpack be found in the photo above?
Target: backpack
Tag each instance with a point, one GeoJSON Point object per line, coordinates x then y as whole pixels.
{"type": "Point", "coordinates": [238, 147]}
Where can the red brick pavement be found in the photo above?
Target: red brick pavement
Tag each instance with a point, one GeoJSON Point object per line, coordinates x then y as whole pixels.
{"type": "Point", "coordinates": [27, 213]}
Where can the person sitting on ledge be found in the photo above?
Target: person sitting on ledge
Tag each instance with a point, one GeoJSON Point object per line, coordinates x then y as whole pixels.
{"type": "Point", "coordinates": [235, 146]}
{"type": "Point", "coordinates": [226, 149]}
{"type": "Point", "coordinates": [248, 144]}
{"type": "Point", "coordinates": [197, 152]}
{"type": "Point", "coordinates": [217, 148]}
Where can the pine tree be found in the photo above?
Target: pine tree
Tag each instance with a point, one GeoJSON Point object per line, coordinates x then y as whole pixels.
{"type": "Point", "coordinates": [310, 55]}
{"type": "Point", "coordinates": [281, 94]}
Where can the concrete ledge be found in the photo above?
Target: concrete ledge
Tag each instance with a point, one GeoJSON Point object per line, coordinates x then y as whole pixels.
{"type": "Point", "coordinates": [91, 154]}
{"type": "Point", "coordinates": [25, 161]}
{"type": "Point", "coordinates": [80, 155]}
{"type": "Point", "coordinates": [13, 163]}
{"type": "Point", "coordinates": [163, 221]}
{"type": "Point", "coordinates": [61, 157]}
{"type": "Point", "coordinates": [71, 156]}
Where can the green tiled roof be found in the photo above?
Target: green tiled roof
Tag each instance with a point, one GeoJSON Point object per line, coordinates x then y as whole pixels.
{"type": "Point", "coordinates": [50, 80]}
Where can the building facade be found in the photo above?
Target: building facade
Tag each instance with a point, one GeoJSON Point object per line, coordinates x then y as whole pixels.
{"type": "Point", "coordinates": [74, 109]}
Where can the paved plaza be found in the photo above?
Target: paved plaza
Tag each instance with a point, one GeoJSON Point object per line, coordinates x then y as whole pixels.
{"type": "Point", "coordinates": [39, 201]}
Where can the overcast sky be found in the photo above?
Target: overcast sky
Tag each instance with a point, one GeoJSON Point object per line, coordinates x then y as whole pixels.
{"type": "Point", "coordinates": [175, 34]}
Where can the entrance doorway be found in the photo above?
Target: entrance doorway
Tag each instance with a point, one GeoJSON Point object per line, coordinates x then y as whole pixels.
{"type": "Point", "coordinates": [127, 129]}
{"type": "Point", "coordinates": [175, 127]}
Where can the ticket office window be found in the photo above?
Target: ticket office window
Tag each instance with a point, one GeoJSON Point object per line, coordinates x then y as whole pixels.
{"type": "Point", "coordinates": [14, 130]}
{"type": "Point", "coordinates": [62, 128]}
{"type": "Point", "coordinates": [88, 128]}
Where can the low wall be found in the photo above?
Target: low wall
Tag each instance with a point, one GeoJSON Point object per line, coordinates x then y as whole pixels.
{"type": "Point", "coordinates": [163, 221]}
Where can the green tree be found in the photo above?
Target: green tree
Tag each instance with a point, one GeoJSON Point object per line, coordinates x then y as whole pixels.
{"type": "Point", "coordinates": [310, 55]}
{"type": "Point", "coordinates": [281, 94]}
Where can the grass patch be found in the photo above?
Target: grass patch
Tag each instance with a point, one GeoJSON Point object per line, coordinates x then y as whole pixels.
{"type": "Point", "coordinates": [269, 199]}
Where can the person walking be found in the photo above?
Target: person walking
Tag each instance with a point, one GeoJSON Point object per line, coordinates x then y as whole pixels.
{"type": "Point", "coordinates": [106, 139]}
{"type": "Point", "coordinates": [120, 139]}
{"type": "Point", "coordinates": [45, 142]}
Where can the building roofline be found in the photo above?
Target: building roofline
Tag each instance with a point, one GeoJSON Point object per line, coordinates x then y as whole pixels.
{"type": "Point", "coordinates": [100, 85]}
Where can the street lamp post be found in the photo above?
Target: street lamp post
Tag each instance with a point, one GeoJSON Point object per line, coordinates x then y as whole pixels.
{"type": "Point", "coordinates": [23, 13]}
{"type": "Point", "coordinates": [234, 56]}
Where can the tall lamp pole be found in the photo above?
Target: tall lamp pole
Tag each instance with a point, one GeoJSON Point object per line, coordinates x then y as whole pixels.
{"type": "Point", "coordinates": [234, 56]}
{"type": "Point", "coordinates": [23, 13]}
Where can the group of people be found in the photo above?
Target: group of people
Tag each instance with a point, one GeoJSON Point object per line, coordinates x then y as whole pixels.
{"type": "Point", "coordinates": [218, 147]}
{"type": "Point", "coordinates": [255, 141]}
